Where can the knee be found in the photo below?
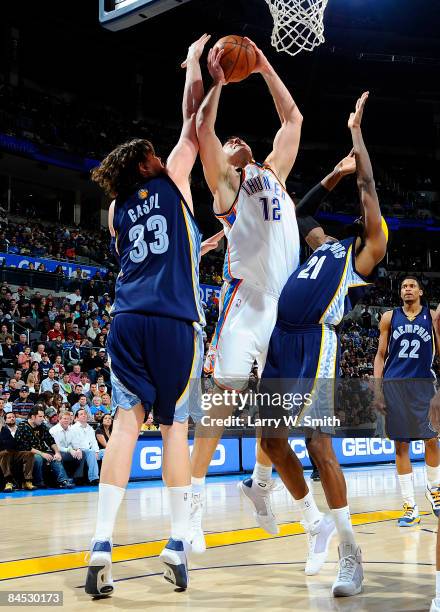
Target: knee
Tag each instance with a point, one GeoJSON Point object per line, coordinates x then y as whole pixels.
{"type": "Point", "coordinates": [401, 449]}
{"type": "Point", "coordinates": [38, 459]}
{"type": "Point", "coordinates": [322, 454]}
{"type": "Point", "coordinates": [275, 448]}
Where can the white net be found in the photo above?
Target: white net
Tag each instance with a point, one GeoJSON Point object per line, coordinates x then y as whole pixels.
{"type": "Point", "coordinates": [298, 24]}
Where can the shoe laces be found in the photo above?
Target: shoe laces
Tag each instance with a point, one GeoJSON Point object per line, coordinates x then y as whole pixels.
{"type": "Point", "coordinates": [408, 511]}
{"type": "Point", "coordinates": [435, 495]}
{"type": "Point", "coordinates": [347, 566]}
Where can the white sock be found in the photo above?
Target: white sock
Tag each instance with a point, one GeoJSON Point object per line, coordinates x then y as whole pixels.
{"type": "Point", "coordinates": [437, 585]}
{"type": "Point", "coordinates": [198, 484]}
{"type": "Point", "coordinates": [262, 473]}
{"type": "Point", "coordinates": [407, 488]}
{"type": "Point", "coordinates": [309, 509]}
{"type": "Point", "coordinates": [433, 476]}
{"type": "Point", "coordinates": [180, 507]}
{"type": "Point", "coordinates": [342, 519]}
{"type": "Point", "coordinates": [109, 500]}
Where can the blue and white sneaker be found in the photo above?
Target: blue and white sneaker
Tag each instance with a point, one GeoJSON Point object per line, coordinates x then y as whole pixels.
{"type": "Point", "coordinates": [174, 557]}
{"type": "Point", "coordinates": [433, 496]}
{"type": "Point", "coordinates": [410, 516]}
{"type": "Point", "coordinates": [99, 582]}
{"type": "Point", "coordinates": [258, 494]}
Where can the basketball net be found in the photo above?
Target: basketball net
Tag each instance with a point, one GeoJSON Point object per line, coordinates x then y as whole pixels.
{"type": "Point", "coordinates": [298, 24]}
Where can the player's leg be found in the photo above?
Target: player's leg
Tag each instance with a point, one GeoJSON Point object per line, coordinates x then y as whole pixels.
{"type": "Point", "coordinates": [115, 472]}
{"type": "Point", "coordinates": [432, 460]}
{"type": "Point", "coordinates": [350, 576]}
{"type": "Point", "coordinates": [410, 514]}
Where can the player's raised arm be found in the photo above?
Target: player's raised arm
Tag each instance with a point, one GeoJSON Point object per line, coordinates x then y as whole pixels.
{"type": "Point", "coordinates": [375, 239]}
{"type": "Point", "coordinates": [214, 160]}
{"type": "Point", "coordinates": [286, 143]}
{"type": "Point", "coordinates": [183, 156]}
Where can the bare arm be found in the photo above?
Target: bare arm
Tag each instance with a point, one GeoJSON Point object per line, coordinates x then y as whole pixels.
{"type": "Point", "coordinates": [182, 157]}
{"type": "Point", "coordinates": [435, 314]}
{"type": "Point", "coordinates": [375, 239]}
{"type": "Point", "coordinates": [221, 183]}
{"type": "Point", "coordinates": [286, 143]}
{"type": "Point", "coordinates": [101, 440]}
{"type": "Point", "coordinates": [384, 327]}
{"type": "Point", "coordinates": [111, 214]}
{"type": "Point", "coordinates": [211, 243]}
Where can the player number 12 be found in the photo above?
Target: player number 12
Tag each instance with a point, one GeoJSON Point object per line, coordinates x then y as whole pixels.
{"type": "Point", "coordinates": [276, 212]}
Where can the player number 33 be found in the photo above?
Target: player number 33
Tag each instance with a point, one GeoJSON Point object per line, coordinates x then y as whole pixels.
{"type": "Point", "coordinates": [140, 249]}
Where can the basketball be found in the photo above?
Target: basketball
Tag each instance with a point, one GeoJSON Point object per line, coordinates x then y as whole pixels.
{"type": "Point", "coordinates": [238, 59]}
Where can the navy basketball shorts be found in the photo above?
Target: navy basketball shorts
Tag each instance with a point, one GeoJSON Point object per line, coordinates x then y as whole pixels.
{"type": "Point", "coordinates": [407, 409]}
{"type": "Point", "coordinates": [157, 362]}
{"type": "Point", "coordinates": [299, 375]}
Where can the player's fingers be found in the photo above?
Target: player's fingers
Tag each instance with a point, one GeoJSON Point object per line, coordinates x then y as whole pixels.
{"type": "Point", "coordinates": [351, 154]}
{"type": "Point", "coordinates": [183, 64]}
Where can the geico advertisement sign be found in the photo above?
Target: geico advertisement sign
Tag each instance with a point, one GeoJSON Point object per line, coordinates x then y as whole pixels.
{"type": "Point", "coordinates": [367, 447]}
{"type": "Point", "coordinates": [150, 457]}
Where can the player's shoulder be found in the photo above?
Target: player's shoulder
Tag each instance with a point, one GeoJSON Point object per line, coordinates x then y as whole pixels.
{"type": "Point", "coordinates": [387, 316]}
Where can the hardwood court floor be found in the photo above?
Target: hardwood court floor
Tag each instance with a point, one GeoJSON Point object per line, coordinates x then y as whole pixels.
{"type": "Point", "coordinates": [43, 539]}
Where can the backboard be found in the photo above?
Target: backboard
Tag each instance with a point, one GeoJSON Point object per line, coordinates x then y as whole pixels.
{"type": "Point", "coordinates": [121, 14]}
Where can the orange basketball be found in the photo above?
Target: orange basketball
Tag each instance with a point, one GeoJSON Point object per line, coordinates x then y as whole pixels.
{"type": "Point", "coordinates": [238, 59]}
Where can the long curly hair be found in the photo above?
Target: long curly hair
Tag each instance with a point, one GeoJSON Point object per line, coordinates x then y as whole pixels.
{"type": "Point", "coordinates": [119, 173]}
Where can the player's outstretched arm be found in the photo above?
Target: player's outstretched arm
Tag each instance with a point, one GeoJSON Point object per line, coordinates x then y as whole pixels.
{"type": "Point", "coordinates": [215, 164]}
{"type": "Point", "coordinates": [183, 156]}
{"type": "Point", "coordinates": [211, 243]}
{"type": "Point", "coordinates": [375, 239]}
{"type": "Point", "coordinates": [286, 143]}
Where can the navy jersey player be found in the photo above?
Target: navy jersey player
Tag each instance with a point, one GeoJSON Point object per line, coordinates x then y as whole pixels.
{"type": "Point", "coordinates": [305, 346]}
{"type": "Point", "coordinates": [404, 359]}
{"type": "Point", "coordinates": [157, 311]}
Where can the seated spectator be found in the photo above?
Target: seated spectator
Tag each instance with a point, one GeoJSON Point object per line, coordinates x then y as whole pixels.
{"type": "Point", "coordinates": [85, 382]}
{"type": "Point", "coordinates": [102, 389]}
{"type": "Point", "coordinates": [21, 344]}
{"type": "Point", "coordinates": [104, 431]}
{"type": "Point", "coordinates": [74, 297]}
{"type": "Point", "coordinates": [24, 359]}
{"type": "Point", "coordinates": [23, 405]}
{"type": "Point", "coordinates": [2, 412]}
{"type": "Point", "coordinates": [55, 332]}
{"type": "Point", "coordinates": [84, 439]}
{"type": "Point", "coordinates": [10, 456]}
{"type": "Point", "coordinates": [149, 424]}
{"type": "Point", "coordinates": [45, 365]}
{"type": "Point", "coordinates": [81, 404]}
{"type": "Point", "coordinates": [58, 367]}
{"type": "Point", "coordinates": [7, 406]}
{"type": "Point", "coordinates": [58, 393]}
{"type": "Point", "coordinates": [8, 357]}
{"type": "Point", "coordinates": [4, 333]}
{"type": "Point", "coordinates": [51, 417]}
{"type": "Point", "coordinates": [92, 392]}
{"type": "Point", "coordinates": [74, 356]}
{"type": "Point", "coordinates": [55, 347]}
{"type": "Point", "coordinates": [94, 330]}
{"type": "Point", "coordinates": [19, 379]}
{"type": "Point", "coordinates": [75, 375]}
{"type": "Point", "coordinates": [65, 386]}
{"type": "Point", "coordinates": [13, 389]}
{"type": "Point", "coordinates": [38, 355]}
{"type": "Point", "coordinates": [32, 435]}
{"type": "Point", "coordinates": [34, 371]}
{"type": "Point", "coordinates": [72, 456]}
{"type": "Point", "coordinates": [106, 402]}
{"type": "Point", "coordinates": [96, 405]}
{"type": "Point", "coordinates": [74, 333]}
{"type": "Point", "coordinates": [47, 383]}
{"type": "Point", "coordinates": [73, 397]}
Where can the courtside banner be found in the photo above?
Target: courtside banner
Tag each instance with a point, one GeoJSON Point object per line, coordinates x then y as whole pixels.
{"type": "Point", "coordinates": [349, 451]}
{"type": "Point", "coordinates": [147, 458]}
{"type": "Point", "coordinates": [207, 291]}
{"type": "Point", "coordinates": [69, 268]}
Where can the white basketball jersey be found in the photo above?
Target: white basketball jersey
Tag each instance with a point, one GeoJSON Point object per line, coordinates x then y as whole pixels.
{"type": "Point", "coordinates": [262, 232]}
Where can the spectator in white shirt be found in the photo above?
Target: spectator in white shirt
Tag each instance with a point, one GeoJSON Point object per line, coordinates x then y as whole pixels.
{"type": "Point", "coordinates": [75, 297]}
{"type": "Point", "coordinates": [84, 438]}
{"type": "Point", "coordinates": [37, 356]}
{"type": "Point", "coordinates": [48, 383]}
{"type": "Point", "coordinates": [93, 330]}
{"type": "Point", "coordinates": [62, 434]}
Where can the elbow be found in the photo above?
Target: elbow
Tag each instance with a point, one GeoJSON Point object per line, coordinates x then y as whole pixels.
{"type": "Point", "coordinates": [201, 121]}
{"type": "Point", "coordinates": [366, 183]}
{"type": "Point", "coordinates": [294, 116]}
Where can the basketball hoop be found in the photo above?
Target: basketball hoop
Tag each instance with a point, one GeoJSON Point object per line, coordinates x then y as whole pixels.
{"type": "Point", "coordinates": [298, 24]}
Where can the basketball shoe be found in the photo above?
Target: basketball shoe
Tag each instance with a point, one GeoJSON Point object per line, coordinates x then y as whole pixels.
{"type": "Point", "coordinates": [409, 517]}
{"type": "Point", "coordinates": [258, 494]}
{"type": "Point", "coordinates": [174, 558]}
{"type": "Point", "coordinates": [435, 606]}
{"type": "Point", "coordinates": [349, 579]}
{"type": "Point", "coordinates": [99, 582]}
{"type": "Point", "coordinates": [319, 535]}
{"type": "Point", "coordinates": [433, 496]}
{"type": "Point", "coordinates": [197, 537]}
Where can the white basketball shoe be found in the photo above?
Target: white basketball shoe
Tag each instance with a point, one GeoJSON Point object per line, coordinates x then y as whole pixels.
{"type": "Point", "coordinates": [258, 494]}
{"type": "Point", "coordinates": [319, 536]}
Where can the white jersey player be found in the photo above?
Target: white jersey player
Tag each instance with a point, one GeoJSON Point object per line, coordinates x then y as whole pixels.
{"type": "Point", "coordinates": [263, 250]}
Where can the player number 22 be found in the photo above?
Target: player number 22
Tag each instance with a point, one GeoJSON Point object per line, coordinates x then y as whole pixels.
{"type": "Point", "coordinates": [156, 223]}
{"type": "Point", "coordinates": [317, 263]}
{"type": "Point", "coordinates": [414, 353]}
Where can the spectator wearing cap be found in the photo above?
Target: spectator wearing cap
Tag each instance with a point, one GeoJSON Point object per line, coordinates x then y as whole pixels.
{"type": "Point", "coordinates": [72, 456]}
{"type": "Point", "coordinates": [47, 383]}
{"type": "Point", "coordinates": [85, 439]}
{"type": "Point", "coordinates": [32, 435]}
{"type": "Point", "coordinates": [51, 417]}
{"type": "Point", "coordinates": [55, 332]}
{"type": "Point", "coordinates": [82, 404]}
{"type": "Point", "coordinates": [45, 365]}
{"type": "Point", "coordinates": [75, 375]}
{"type": "Point", "coordinates": [74, 333]}
{"type": "Point", "coordinates": [102, 389]}
{"type": "Point", "coordinates": [73, 397]}
{"type": "Point", "coordinates": [23, 405]}
{"type": "Point", "coordinates": [10, 456]}
{"type": "Point", "coordinates": [38, 354]}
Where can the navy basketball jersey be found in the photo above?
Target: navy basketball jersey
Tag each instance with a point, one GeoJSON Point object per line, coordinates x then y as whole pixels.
{"type": "Point", "coordinates": [411, 346]}
{"type": "Point", "coordinates": [321, 290]}
{"type": "Point", "coordinates": [159, 246]}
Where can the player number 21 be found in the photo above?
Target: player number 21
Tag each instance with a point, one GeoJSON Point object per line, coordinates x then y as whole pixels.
{"type": "Point", "coordinates": [316, 263]}
{"type": "Point", "coordinates": [156, 223]}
